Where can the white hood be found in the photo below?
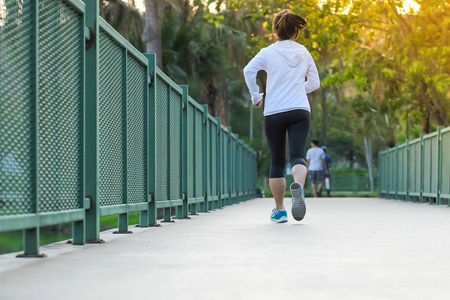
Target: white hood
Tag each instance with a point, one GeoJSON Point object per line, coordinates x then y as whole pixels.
{"type": "Point", "coordinates": [293, 52]}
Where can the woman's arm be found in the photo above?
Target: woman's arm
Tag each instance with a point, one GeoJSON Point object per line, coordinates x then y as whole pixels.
{"type": "Point", "coordinates": [250, 71]}
{"type": "Point", "coordinates": [313, 82]}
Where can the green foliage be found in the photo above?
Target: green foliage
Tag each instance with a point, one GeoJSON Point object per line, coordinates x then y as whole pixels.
{"type": "Point", "coordinates": [385, 69]}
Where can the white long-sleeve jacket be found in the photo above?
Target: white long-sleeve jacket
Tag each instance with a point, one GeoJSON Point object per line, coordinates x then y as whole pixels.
{"type": "Point", "coordinates": [287, 63]}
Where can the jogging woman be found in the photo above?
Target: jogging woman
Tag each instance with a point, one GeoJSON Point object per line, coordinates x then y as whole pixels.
{"type": "Point", "coordinates": [286, 109]}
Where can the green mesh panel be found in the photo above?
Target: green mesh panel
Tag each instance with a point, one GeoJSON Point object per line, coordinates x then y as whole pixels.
{"type": "Point", "coordinates": [392, 170]}
{"type": "Point", "coordinates": [111, 122]}
{"type": "Point", "coordinates": [245, 169]}
{"type": "Point", "coordinates": [161, 140]}
{"type": "Point", "coordinates": [175, 145]}
{"type": "Point", "coordinates": [191, 153]}
{"type": "Point", "coordinates": [402, 165]}
{"type": "Point", "coordinates": [198, 153]}
{"type": "Point", "coordinates": [414, 169]}
{"type": "Point", "coordinates": [233, 166]}
{"type": "Point", "coordinates": [60, 106]}
{"type": "Point", "coordinates": [136, 132]}
{"type": "Point", "coordinates": [208, 158]}
{"type": "Point", "coordinates": [16, 105]}
{"type": "Point", "coordinates": [239, 168]}
{"type": "Point", "coordinates": [213, 158]}
{"type": "Point", "coordinates": [445, 188]}
{"type": "Point", "coordinates": [382, 172]}
{"type": "Point", "coordinates": [225, 162]}
{"type": "Point", "coordinates": [431, 160]}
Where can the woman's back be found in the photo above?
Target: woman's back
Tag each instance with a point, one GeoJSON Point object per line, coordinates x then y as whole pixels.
{"type": "Point", "coordinates": [287, 63]}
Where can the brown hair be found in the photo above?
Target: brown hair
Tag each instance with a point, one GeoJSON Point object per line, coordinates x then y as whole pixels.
{"type": "Point", "coordinates": [288, 25]}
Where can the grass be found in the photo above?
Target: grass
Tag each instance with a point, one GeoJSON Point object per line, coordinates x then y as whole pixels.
{"type": "Point", "coordinates": [12, 241]}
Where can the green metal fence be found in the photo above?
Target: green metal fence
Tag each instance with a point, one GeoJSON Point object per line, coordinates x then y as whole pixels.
{"type": "Point", "coordinates": [90, 127]}
{"type": "Point", "coordinates": [418, 170]}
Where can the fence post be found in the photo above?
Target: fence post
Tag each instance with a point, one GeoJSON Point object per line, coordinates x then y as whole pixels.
{"type": "Point", "coordinates": [235, 166]}
{"type": "Point", "coordinates": [31, 235]}
{"type": "Point", "coordinates": [203, 207]}
{"type": "Point", "coordinates": [422, 168]}
{"type": "Point", "coordinates": [167, 211]}
{"type": "Point", "coordinates": [91, 125]}
{"type": "Point", "coordinates": [408, 169]}
{"type": "Point", "coordinates": [219, 160]}
{"type": "Point", "coordinates": [230, 167]}
{"type": "Point", "coordinates": [380, 170]}
{"type": "Point", "coordinates": [151, 129]}
{"type": "Point", "coordinates": [123, 218]}
{"type": "Point", "coordinates": [396, 171]}
{"type": "Point", "coordinates": [439, 162]}
{"type": "Point", "coordinates": [184, 147]}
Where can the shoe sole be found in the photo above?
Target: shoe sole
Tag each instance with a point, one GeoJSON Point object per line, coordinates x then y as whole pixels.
{"type": "Point", "coordinates": [281, 220]}
{"type": "Point", "coordinates": [298, 206]}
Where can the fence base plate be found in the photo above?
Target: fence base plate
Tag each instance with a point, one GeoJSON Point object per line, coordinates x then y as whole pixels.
{"type": "Point", "coordinates": [31, 256]}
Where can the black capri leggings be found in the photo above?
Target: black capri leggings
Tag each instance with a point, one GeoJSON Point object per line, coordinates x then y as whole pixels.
{"type": "Point", "coordinates": [296, 123]}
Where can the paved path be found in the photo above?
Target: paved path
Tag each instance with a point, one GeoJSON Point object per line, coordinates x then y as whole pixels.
{"type": "Point", "coordinates": [345, 249]}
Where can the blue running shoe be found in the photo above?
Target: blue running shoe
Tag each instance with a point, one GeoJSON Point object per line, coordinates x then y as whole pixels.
{"type": "Point", "coordinates": [298, 201]}
{"type": "Point", "coordinates": [278, 216]}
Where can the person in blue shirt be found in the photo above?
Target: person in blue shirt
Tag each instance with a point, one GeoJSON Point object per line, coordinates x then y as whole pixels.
{"type": "Point", "coordinates": [328, 163]}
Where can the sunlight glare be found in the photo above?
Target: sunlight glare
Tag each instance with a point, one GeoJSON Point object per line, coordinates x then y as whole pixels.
{"type": "Point", "coordinates": [409, 6]}
{"type": "Point", "coordinates": [3, 13]}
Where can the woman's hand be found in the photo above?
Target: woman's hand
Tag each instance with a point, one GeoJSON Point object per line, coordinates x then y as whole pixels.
{"type": "Point", "coordinates": [259, 104]}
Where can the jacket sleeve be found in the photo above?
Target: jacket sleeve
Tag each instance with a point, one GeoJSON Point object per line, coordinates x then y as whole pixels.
{"type": "Point", "coordinates": [313, 82]}
{"type": "Point", "coordinates": [250, 71]}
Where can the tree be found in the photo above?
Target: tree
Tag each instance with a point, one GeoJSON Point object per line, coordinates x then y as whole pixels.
{"type": "Point", "coordinates": [152, 30]}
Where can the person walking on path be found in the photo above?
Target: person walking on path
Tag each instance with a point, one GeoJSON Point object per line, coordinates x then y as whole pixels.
{"type": "Point", "coordinates": [315, 162]}
{"type": "Point", "coordinates": [286, 108]}
{"type": "Point", "coordinates": [328, 163]}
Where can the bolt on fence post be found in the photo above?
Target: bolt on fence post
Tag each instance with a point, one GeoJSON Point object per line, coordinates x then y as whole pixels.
{"type": "Point", "coordinates": [151, 127]}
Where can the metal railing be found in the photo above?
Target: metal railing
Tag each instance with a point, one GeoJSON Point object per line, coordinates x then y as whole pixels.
{"type": "Point", "coordinates": [90, 127]}
{"type": "Point", "coordinates": [418, 170]}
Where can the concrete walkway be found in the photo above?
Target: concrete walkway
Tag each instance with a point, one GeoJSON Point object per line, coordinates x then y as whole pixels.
{"type": "Point", "coordinates": [344, 249]}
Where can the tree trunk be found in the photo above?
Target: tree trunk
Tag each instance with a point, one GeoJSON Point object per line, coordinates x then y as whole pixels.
{"type": "Point", "coordinates": [336, 94]}
{"type": "Point", "coordinates": [101, 8]}
{"type": "Point", "coordinates": [323, 96]}
{"type": "Point", "coordinates": [312, 104]}
{"type": "Point", "coordinates": [152, 30]}
{"type": "Point", "coordinates": [210, 95]}
{"type": "Point", "coordinates": [226, 104]}
{"type": "Point", "coordinates": [424, 103]}
{"type": "Point", "coordinates": [368, 148]}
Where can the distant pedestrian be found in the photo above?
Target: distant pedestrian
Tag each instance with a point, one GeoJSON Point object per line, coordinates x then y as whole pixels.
{"type": "Point", "coordinates": [328, 163]}
{"type": "Point", "coordinates": [286, 109]}
{"type": "Point", "coordinates": [315, 162]}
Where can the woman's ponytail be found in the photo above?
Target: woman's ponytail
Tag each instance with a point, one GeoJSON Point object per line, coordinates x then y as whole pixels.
{"type": "Point", "coordinates": [288, 25]}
